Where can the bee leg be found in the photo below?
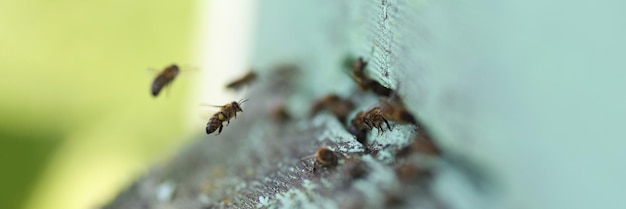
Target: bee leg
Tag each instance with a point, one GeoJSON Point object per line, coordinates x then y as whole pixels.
{"type": "Point", "coordinates": [227, 122]}
{"type": "Point", "coordinates": [388, 127]}
{"type": "Point", "coordinates": [220, 130]}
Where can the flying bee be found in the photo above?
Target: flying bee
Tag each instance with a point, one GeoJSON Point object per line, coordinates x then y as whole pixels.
{"type": "Point", "coordinates": [245, 80]}
{"type": "Point", "coordinates": [164, 79]}
{"type": "Point", "coordinates": [226, 112]}
{"type": "Point", "coordinates": [364, 82]}
{"type": "Point", "coordinates": [324, 157]}
{"type": "Point", "coordinates": [333, 103]}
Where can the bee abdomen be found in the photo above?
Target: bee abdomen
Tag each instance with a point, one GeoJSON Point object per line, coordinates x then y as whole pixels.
{"type": "Point", "coordinates": [158, 84]}
{"type": "Point", "coordinates": [213, 124]}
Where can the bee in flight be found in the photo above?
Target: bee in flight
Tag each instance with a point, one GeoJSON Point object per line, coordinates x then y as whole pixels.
{"type": "Point", "coordinates": [245, 80]}
{"type": "Point", "coordinates": [226, 112]}
{"type": "Point", "coordinates": [164, 79]}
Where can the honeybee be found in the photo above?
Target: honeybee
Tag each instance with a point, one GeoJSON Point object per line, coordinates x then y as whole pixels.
{"type": "Point", "coordinates": [373, 118]}
{"type": "Point", "coordinates": [364, 82]}
{"type": "Point", "coordinates": [411, 173]}
{"type": "Point", "coordinates": [394, 109]}
{"type": "Point", "coordinates": [280, 114]}
{"type": "Point", "coordinates": [226, 112]}
{"type": "Point", "coordinates": [286, 70]}
{"type": "Point", "coordinates": [333, 103]}
{"type": "Point", "coordinates": [355, 168]}
{"type": "Point", "coordinates": [421, 144]}
{"type": "Point", "coordinates": [245, 80]}
{"type": "Point", "coordinates": [359, 129]}
{"type": "Point", "coordinates": [164, 79]}
{"type": "Point", "coordinates": [358, 73]}
{"type": "Point", "coordinates": [323, 157]}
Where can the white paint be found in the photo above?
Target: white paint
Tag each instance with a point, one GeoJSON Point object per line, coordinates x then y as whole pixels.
{"type": "Point", "coordinates": [225, 45]}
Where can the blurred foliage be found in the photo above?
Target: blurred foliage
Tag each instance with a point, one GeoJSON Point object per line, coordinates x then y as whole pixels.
{"type": "Point", "coordinates": [78, 121]}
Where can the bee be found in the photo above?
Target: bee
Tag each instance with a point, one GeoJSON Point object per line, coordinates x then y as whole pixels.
{"type": "Point", "coordinates": [374, 119]}
{"type": "Point", "coordinates": [395, 110]}
{"type": "Point", "coordinates": [226, 112]}
{"type": "Point", "coordinates": [333, 103]}
{"type": "Point", "coordinates": [364, 82]}
{"type": "Point", "coordinates": [286, 70]}
{"type": "Point", "coordinates": [324, 157]}
{"type": "Point", "coordinates": [411, 173]}
{"type": "Point", "coordinates": [359, 129]}
{"type": "Point", "coordinates": [245, 80]}
{"type": "Point", "coordinates": [215, 122]}
{"type": "Point", "coordinates": [164, 79]}
{"type": "Point", "coordinates": [365, 121]}
{"type": "Point", "coordinates": [358, 73]}
{"type": "Point", "coordinates": [421, 144]}
{"type": "Point", "coordinates": [355, 168]}
{"type": "Point", "coordinates": [280, 114]}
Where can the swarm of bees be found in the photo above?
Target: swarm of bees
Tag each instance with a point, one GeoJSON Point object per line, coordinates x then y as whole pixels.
{"type": "Point", "coordinates": [390, 109]}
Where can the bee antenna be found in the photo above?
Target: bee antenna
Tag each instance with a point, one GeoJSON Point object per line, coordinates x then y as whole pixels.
{"type": "Point", "coordinates": [242, 101]}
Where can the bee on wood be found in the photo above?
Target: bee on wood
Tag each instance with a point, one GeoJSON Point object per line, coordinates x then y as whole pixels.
{"type": "Point", "coordinates": [395, 110]}
{"type": "Point", "coordinates": [412, 173]}
{"type": "Point", "coordinates": [280, 114]}
{"type": "Point", "coordinates": [245, 80]}
{"type": "Point", "coordinates": [364, 82]}
{"type": "Point", "coordinates": [359, 129]}
{"type": "Point", "coordinates": [421, 144]}
{"type": "Point", "coordinates": [324, 157]}
{"type": "Point", "coordinates": [226, 112]}
{"type": "Point", "coordinates": [365, 121]}
{"type": "Point", "coordinates": [358, 73]}
{"type": "Point", "coordinates": [164, 79]}
{"type": "Point", "coordinates": [355, 168]}
{"type": "Point", "coordinates": [333, 103]}
{"type": "Point", "coordinates": [374, 119]}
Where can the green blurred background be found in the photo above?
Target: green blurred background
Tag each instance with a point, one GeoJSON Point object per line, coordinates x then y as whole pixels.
{"type": "Point", "coordinates": [77, 120]}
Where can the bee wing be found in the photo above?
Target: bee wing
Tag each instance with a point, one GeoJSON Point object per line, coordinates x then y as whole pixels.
{"type": "Point", "coordinates": [210, 105]}
{"type": "Point", "coordinates": [307, 157]}
{"type": "Point", "coordinates": [152, 71]}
